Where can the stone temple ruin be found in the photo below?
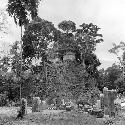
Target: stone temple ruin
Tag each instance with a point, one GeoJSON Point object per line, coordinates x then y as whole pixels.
{"type": "Point", "coordinates": [65, 69]}
{"type": "Point", "coordinates": [62, 59]}
{"type": "Point", "coordinates": [108, 104]}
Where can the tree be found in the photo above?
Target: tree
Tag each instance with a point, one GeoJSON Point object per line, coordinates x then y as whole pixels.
{"type": "Point", "coordinates": [7, 78]}
{"type": "Point", "coordinates": [87, 37]}
{"type": "Point", "coordinates": [83, 41]}
{"type": "Point", "coordinates": [110, 77]}
{"type": "Point", "coordinates": [120, 85]}
{"type": "Point", "coordinates": [92, 62]}
{"type": "Point", "coordinates": [71, 76]}
{"type": "Point", "coordinates": [113, 73]}
{"type": "Point", "coordinates": [116, 49]}
{"type": "Point", "coordinates": [76, 40]}
{"type": "Point", "coordinates": [16, 60]}
{"type": "Point", "coordinates": [38, 35]}
{"type": "Point", "coordinates": [30, 79]}
{"type": "Point", "coordinates": [67, 26]}
{"type": "Point", "coordinates": [101, 80]}
{"type": "Point", "coordinates": [20, 9]}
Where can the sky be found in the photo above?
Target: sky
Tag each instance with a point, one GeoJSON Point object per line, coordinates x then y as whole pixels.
{"type": "Point", "coordinates": [106, 14]}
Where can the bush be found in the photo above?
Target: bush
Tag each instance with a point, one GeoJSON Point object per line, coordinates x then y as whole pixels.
{"type": "Point", "coordinates": [89, 97]}
{"type": "Point", "coordinates": [3, 99]}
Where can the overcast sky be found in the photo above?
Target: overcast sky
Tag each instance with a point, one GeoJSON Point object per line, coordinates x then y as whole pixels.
{"type": "Point", "coordinates": [107, 14]}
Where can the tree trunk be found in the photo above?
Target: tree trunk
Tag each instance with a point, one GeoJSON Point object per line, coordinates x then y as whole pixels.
{"type": "Point", "coordinates": [21, 60]}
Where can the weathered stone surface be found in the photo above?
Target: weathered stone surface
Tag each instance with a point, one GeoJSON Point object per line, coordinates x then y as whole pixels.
{"type": "Point", "coordinates": [105, 91]}
{"type": "Point", "coordinates": [36, 104]}
{"type": "Point", "coordinates": [109, 105]}
{"type": "Point", "coordinates": [102, 101]}
{"type": "Point", "coordinates": [44, 105]}
{"type": "Point", "coordinates": [23, 108]}
{"type": "Point", "coordinates": [98, 104]}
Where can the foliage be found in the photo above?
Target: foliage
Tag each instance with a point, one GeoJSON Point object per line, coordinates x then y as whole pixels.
{"type": "Point", "coordinates": [90, 95]}
{"type": "Point", "coordinates": [113, 73]}
{"type": "Point", "coordinates": [83, 41]}
{"type": "Point", "coordinates": [3, 98]}
{"type": "Point", "coordinates": [73, 77]}
{"type": "Point", "coordinates": [101, 79]}
{"type": "Point", "coordinates": [30, 76]}
{"type": "Point", "coordinates": [67, 26]}
{"type": "Point", "coordinates": [120, 85]}
{"type": "Point", "coordinates": [92, 62]}
{"type": "Point", "coordinates": [111, 77]}
{"type": "Point", "coordinates": [80, 41]}
{"type": "Point", "coordinates": [42, 33]}
{"type": "Point", "coordinates": [15, 56]}
{"type": "Point", "coordinates": [10, 72]}
{"type": "Point", "coordinates": [20, 9]}
{"type": "Point", "coordinates": [38, 35]}
{"type": "Point", "coordinates": [118, 48]}
{"type": "Point", "coordinates": [87, 36]}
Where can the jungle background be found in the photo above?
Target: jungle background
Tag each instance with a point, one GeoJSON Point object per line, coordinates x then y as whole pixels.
{"type": "Point", "coordinates": [54, 61]}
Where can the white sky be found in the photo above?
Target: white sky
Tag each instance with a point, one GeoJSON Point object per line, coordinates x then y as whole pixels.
{"type": "Point", "coordinates": [107, 14]}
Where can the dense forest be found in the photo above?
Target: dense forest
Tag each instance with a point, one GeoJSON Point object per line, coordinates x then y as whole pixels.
{"type": "Point", "coordinates": [54, 61]}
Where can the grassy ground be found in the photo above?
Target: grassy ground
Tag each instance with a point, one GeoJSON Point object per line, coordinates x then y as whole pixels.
{"type": "Point", "coordinates": [58, 118]}
{"type": "Point", "coordinates": [63, 118]}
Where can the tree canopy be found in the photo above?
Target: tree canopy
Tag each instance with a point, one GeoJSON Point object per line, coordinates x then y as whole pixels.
{"type": "Point", "coordinates": [38, 36]}
{"type": "Point", "coordinates": [42, 41]}
{"type": "Point", "coordinates": [20, 9]}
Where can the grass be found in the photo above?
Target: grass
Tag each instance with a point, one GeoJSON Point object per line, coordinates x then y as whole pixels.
{"type": "Point", "coordinates": [61, 118]}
